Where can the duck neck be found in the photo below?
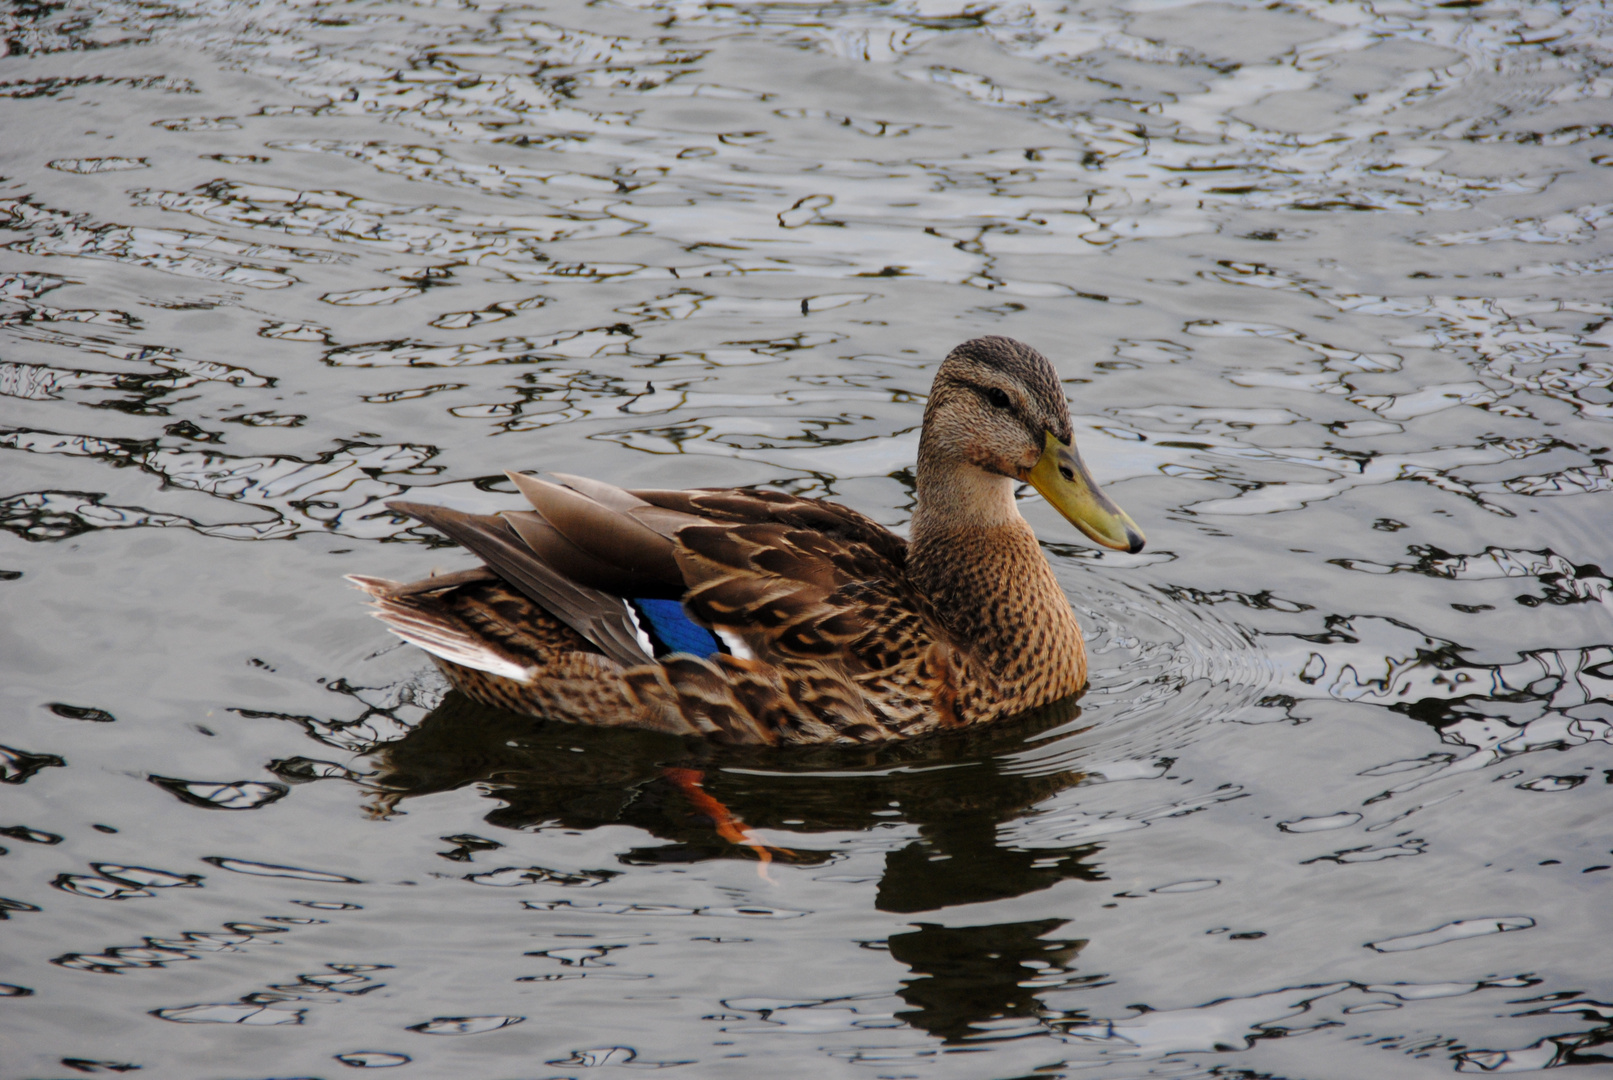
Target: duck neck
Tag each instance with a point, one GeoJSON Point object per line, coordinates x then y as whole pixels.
{"type": "Point", "coordinates": [977, 560]}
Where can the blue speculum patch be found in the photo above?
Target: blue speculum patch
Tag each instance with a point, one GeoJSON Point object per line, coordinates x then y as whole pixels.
{"type": "Point", "coordinates": [672, 631]}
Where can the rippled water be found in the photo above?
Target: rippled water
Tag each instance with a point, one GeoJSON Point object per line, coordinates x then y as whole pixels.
{"type": "Point", "coordinates": [1329, 285]}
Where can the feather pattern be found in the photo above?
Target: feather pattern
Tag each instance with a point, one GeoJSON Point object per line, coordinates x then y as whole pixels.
{"type": "Point", "coordinates": [758, 617]}
{"type": "Point", "coordinates": [598, 616]}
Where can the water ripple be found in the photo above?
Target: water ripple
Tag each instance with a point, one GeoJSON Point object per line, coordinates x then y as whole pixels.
{"type": "Point", "coordinates": [1325, 284]}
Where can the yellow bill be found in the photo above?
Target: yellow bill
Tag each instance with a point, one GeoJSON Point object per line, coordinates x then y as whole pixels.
{"type": "Point", "coordinates": [1063, 481]}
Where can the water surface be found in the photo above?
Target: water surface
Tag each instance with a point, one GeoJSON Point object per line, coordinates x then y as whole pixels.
{"type": "Point", "coordinates": [1328, 284]}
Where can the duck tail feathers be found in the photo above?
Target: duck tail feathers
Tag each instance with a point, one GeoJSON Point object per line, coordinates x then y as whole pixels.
{"type": "Point", "coordinates": [445, 637]}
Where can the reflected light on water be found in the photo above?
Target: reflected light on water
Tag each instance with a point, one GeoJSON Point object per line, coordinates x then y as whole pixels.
{"type": "Point", "coordinates": [1325, 281]}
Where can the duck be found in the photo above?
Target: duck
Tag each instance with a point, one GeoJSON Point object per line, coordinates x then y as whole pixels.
{"type": "Point", "coordinates": [754, 617]}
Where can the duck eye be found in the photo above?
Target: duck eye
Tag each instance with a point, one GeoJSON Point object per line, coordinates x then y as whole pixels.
{"type": "Point", "coordinates": [997, 397]}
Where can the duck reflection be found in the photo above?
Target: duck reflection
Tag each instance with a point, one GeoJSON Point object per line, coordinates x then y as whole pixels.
{"type": "Point", "coordinates": [954, 789]}
{"type": "Point", "coordinates": [974, 982]}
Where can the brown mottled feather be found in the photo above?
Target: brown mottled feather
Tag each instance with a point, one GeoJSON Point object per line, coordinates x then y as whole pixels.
{"type": "Point", "coordinates": [598, 616]}
{"type": "Point", "coordinates": [814, 609]}
{"type": "Point", "coordinates": [853, 634]}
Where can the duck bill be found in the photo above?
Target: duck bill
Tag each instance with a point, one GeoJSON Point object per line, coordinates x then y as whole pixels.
{"type": "Point", "coordinates": [1062, 479]}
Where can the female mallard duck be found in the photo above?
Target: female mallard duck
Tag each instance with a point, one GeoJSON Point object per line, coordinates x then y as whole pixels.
{"type": "Point", "coordinates": [749, 616]}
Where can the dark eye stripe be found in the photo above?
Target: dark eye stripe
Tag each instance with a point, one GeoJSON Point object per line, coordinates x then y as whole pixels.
{"type": "Point", "coordinates": [996, 397]}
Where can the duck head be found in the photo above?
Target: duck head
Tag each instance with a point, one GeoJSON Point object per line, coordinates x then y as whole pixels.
{"type": "Point", "coordinates": [997, 410]}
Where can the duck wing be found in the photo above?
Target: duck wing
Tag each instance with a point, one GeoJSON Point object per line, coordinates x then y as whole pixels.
{"type": "Point", "coordinates": [811, 630]}
{"type": "Point", "coordinates": [792, 578]}
{"type": "Point", "coordinates": [505, 546]}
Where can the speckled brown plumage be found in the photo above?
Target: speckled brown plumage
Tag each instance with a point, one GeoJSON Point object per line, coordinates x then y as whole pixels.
{"type": "Point", "coordinates": [840, 631]}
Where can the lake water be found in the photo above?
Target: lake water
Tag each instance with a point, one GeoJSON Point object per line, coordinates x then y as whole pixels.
{"type": "Point", "coordinates": [1329, 287]}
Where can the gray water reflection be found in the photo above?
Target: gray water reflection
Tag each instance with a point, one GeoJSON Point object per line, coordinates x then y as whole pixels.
{"type": "Point", "coordinates": [1326, 282]}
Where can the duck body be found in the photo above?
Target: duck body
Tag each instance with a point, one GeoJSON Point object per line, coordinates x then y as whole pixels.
{"type": "Point", "coordinates": [756, 617]}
